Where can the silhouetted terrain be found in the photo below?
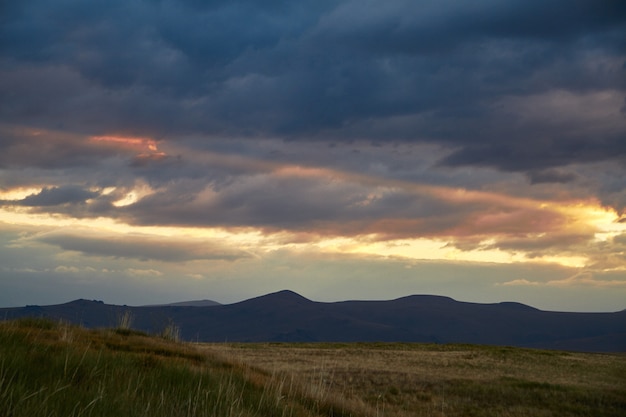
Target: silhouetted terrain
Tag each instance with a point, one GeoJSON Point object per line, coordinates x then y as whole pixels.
{"type": "Point", "coordinates": [289, 317]}
{"type": "Point", "coordinates": [193, 303]}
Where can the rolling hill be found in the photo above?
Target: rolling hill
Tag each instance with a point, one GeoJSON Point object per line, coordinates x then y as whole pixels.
{"type": "Point", "coordinates": [289, 317]}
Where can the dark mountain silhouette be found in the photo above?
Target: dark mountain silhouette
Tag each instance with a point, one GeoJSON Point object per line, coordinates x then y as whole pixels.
{"type": "Point", "coordinates": [289, 317]}
{"type": "Point", "coordinates": [192, 303]}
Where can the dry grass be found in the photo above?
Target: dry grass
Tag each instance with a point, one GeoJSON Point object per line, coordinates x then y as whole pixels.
{"type": "Point", "coordinates": [55, 369]}
{"type": "Point", "coordinates": [446, 380]}
{"type": "Point", "coordinates": [49, 369]}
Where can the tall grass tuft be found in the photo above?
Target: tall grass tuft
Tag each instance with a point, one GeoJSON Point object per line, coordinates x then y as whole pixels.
{"type": "Point", "coordinates": [171, 332]}
{"type": "Point", "coordinates": [125, 320]}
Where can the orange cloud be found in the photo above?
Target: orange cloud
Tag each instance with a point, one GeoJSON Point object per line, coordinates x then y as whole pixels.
{"type": "Point", "coordinates": [130, 142]}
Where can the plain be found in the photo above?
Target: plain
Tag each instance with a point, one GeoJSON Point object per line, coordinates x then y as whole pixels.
{"type": "Point", "coordinates": [56, 369]}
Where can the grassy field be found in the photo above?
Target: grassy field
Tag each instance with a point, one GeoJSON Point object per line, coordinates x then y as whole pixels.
{"type": "Point", "coordinates": [51, 369]}
{"type": "Point", "coordinates": [449, 380]}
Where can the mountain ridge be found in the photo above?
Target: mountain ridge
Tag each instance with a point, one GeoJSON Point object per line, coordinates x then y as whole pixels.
{"type": "Point", "coordinates": [287, 316]}
{"type": "Point", "coordinates": [191, 303]}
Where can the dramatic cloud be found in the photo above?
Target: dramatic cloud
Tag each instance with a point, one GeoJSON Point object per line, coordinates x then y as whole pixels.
{"type": "Point", "coordinates": [58, 195]}
{"type": "Point", "coordinates": [512, 85]}
{"type": "Point", "coordinates": [213, 133]}
{"type": "Point", "coordinates": [143, 248]}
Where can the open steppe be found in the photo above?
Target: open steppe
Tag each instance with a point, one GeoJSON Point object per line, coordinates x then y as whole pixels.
{"type": "Point", "coordinates": [55, 369]}
{"type": "Point", "coordinates": [398, 379]}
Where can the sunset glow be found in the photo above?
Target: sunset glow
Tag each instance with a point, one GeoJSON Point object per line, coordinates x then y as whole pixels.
{"type": "Point", "coordinates": [126, 142]}
{"type": "Point", "coordinates": [469, 151]}
{"type": "Point", "coordinates": [576, 217]}
{"type": "Point", "coordinates": [18, 193]}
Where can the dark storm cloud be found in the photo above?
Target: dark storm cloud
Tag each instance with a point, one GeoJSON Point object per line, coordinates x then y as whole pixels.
{"type": "Point", "coordinates": [291, 202]}
{"type": "Point", "coordinates": [550, 175]}
{"type": "Point", "coordinates": [466, 76]}
{"type": "Point", "coordinates": [261, 200]}
{"type": "Point", "coordinates": [57, 196]}
{"type": "Point", "coordinates": [331, 203]}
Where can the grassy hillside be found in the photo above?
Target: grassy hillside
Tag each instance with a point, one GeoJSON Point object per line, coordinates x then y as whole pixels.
{"type": "Point", "coordinates": [50, 369]}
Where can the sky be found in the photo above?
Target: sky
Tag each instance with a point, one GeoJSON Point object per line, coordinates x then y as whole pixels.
{"type": "Point", "coordinates": [158, 151]}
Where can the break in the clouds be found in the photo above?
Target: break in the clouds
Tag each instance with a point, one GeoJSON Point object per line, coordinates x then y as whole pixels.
{"type": "Point", "coordinates": [215, 135]}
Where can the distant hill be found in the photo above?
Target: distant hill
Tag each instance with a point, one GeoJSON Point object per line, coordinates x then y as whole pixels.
{"type": "Point", "coordinates": [193, 303]}
{"type": "Point", "coordinates": [288, 317]}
